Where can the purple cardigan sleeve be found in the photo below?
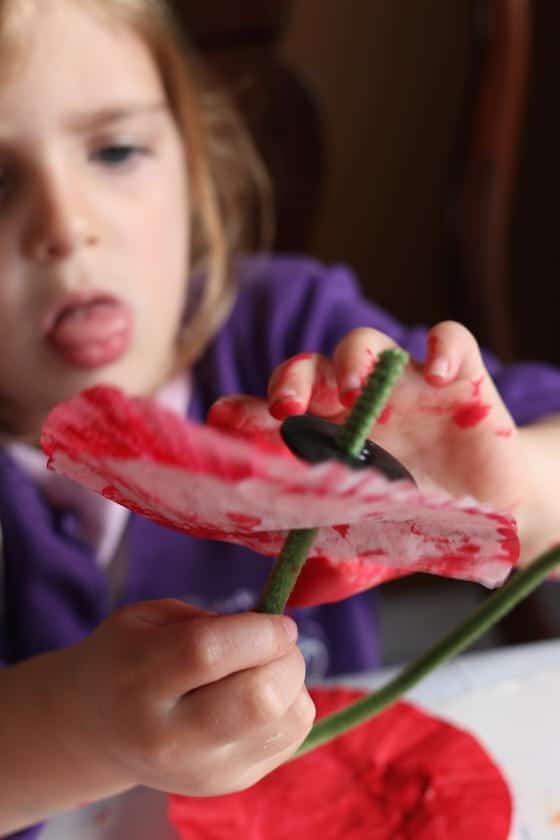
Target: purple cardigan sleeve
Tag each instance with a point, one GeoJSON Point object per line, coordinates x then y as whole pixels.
{"type": "Point", "coordinates": [302, 306]}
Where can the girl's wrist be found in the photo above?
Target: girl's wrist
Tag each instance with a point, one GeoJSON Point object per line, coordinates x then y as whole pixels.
{"type": "Point", "coordinates": [48, 763]}
{"type": "Point", "coordinates": [69, 710]}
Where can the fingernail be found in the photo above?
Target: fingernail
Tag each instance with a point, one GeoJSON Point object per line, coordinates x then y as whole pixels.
{"type": "Point", "coordinates": [352, 383]}
{"type": "Point", "coordinates": [439, 367]}
{"type": "Point", "coordinates": [351, 389]}
{"type": "Point", "coordinates": [290, 627]}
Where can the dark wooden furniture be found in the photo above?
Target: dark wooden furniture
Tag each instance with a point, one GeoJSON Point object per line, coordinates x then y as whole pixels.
{"type": "Point", "coordinates": [282, 114]}
{"type": "Point", "coordinates": [484, 170]}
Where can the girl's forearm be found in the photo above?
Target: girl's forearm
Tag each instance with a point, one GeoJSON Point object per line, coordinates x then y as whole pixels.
{"type": "Point", "coordinates": [44, 766]}
{"type": "Point", "coordinates": [539, 514]}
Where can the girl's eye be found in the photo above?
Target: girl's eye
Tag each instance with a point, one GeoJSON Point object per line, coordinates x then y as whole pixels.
{"type": "Point", "coordinates": [117, 154]}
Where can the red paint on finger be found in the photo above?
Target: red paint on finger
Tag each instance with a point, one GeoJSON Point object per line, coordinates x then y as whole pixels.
{"type": "Point", "coordinates": [280, 377]}
{"type": "Point", "coordinates": [505, 433]}
{"type": "Point", "coordinates": [348, 398]}
{"type": "Point", "coordinates": [286, 407]}
{"type": "Point", "coordinates": [237, 416]}
{"type": "Point", "coordinates": [436, 367]}
{"type": "Point", "coordinates": [350, 392]}
{"type": "Point", "coordinates": [228, 414]}
{"type": "Point", "coordinates": [476, 386]}
{"type": "Point", "coordinates": [466, 415]}
{"type": "Point", "coordinates": [433, 345]}
{"type": "Point", "coordinates": [372, 358]}
{"type": "Point", "coordinates": [385, 415]}
{"type": "Point", "coordinates": [325, 395]}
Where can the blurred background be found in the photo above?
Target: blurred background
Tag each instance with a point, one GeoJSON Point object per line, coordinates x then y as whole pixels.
{"type": "Point", "coordinates": [417, 143]}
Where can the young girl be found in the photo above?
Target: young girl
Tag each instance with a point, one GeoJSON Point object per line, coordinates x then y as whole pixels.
{"type": "Point", "coordinates": [124, 185]}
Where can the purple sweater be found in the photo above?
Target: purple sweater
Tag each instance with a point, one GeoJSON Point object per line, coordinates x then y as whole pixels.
{"type": "Point", "coordinates": [55, 591]}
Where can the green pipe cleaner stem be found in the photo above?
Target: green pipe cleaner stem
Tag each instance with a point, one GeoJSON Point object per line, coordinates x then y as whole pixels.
{"type": "Point", "coordinates": [482, 619]}
{"type": "Point", "coordinates": [285, 571]}
{"type": "Point", "coordinates": [371, 402]}
{"type": "Point", "coordinates": [350, 441]}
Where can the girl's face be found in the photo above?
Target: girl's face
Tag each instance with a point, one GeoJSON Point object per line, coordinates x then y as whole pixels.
{"type": "Point", "coordinates": [93, 216]}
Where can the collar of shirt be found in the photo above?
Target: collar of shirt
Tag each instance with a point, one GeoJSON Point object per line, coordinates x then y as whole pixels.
{"type": "Point", "coordinates": [101, 522]}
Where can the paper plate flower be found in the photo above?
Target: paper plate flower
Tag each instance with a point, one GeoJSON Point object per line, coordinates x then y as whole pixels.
{"type": "Point", "coordinates": [214, 484]}
{"type": "Point", "coordinates": [404, 774]}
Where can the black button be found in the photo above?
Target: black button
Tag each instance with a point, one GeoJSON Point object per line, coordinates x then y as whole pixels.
{"type": "Point", "coordinates": [314, 440]}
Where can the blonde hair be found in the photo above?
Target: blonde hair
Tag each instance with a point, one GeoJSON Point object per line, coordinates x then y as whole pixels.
{"type": "Point", "coordinates": [228, 184]}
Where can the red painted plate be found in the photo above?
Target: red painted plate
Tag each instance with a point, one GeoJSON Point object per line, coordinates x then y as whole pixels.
{"type": "Point", "coordinates": [403, 775]}
{"type": "Point", "coordinates": [214, 484]}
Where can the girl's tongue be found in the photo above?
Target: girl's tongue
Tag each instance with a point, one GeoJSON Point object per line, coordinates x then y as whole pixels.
{"type": "Point", "coordinates": [92, 334]}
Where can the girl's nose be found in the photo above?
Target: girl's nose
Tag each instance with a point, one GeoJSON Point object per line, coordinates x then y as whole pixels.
{"type": "Point", "coordinates": [61, 222]}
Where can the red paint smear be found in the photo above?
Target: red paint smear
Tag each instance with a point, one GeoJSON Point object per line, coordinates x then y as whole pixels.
{"type": "Point", "coordinates": [468, 414]}
{"type": "Point", "coordinates": [325, 391]}
{"type": "Point", "coordinates": [159, 431]}
{"type": "Point", "coordinates": [229, 414]}
{"type": "Point", "coordinates": [341, 529]}
{"type": "Point", "coordinates": [236, 418]}
{"type": "Point", "coordinates": [431, 354]}
{"type": "Point", "coordinates": [244, 520]}
{"type": "Point", "coordinates": [286, 407]}
{"type": "Point", "coordinates": [372, 362]}
{"type": "Point", "coordinates": [385, 415]}
{"type": "Point", "coordinates": [476, 386]}
{"type": "Point", "coordinates": [433, 344]}
{"type": "Point", "coordinates": [348, 398]}
{"type": "Point", "coordinates": [372, 552]}
{"type": "Point", "coordinates": [403, 775]}
{"type": "Point", "coordinates": [505, 433]}
{"type": "Point", "coordinates": [470, 548]}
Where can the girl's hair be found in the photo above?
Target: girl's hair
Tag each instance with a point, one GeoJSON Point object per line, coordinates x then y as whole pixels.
{"type": "Point", "coordinates": [231, 207]}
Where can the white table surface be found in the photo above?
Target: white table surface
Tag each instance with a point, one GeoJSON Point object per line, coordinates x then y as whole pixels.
{"type": "Point", "coordinates": [509, 698]}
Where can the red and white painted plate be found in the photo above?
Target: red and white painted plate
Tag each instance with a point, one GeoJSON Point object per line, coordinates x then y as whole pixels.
{"type": "Point", "coordinates": [218, 485]}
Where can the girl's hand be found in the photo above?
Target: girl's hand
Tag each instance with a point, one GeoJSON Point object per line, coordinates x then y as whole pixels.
{"type": "Point", "coordinates": [182, 701]}
{"type": "Point", "coordinates": [445, 420]}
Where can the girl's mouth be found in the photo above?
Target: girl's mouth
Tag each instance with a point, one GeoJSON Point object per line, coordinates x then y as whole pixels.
{"type": "Point", "coordinates": [89, 331]}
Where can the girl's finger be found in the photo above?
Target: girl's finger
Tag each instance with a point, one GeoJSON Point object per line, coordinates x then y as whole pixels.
{"type": "Point", "coordinates": [246, 702]}
{"type": "Point", "coordinates": [453, 353]}
{"type": "Point", "coordinates": [250, 418]}
{"type": "Point", "coordinates": [278, 741]}
{"type": "Point", "coordinates": [304, 383]}
{"type": "Point", "coordinates": [242, 413]}
{"type": "Point", "coordinates": [354, 359]}
{"type": "Point", "coordinates": [204, 650]}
